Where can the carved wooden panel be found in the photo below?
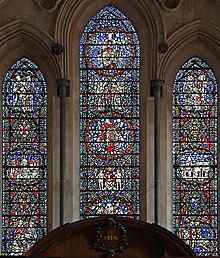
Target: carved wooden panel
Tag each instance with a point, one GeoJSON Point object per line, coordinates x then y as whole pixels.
{"type": "Point", "coordinates": [141, 240]}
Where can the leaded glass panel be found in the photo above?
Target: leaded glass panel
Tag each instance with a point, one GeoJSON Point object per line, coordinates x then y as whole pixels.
{"type": "Point", "coordinates": [24, 157]}
{"type": "Point", "coordinates": [109, 116]}
{"type": "Point", "coordinates": [195, 109]}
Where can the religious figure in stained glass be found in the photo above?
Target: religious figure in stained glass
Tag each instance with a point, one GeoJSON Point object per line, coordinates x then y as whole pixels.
{"type": "Point", "coordinates": [195, 112]}
{"type": "Point", "coordinates": [109, 112]}
{"type": "Point", "coordinates": [24, 158]}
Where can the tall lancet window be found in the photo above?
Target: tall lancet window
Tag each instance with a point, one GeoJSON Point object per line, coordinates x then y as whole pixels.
{"type": "Point", "coordinates": [109, 74]}
{"type": "Point", "coordinates": [24, 157]}
{"type": "Point", "coordinates": [195, 113]}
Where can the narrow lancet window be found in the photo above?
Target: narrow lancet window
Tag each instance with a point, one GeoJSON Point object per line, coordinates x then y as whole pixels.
{"type": "Point", "coordinates": [195, 138]}
{"type": "Point", "coordinates": [109, 113]}
{"type": "Point", "coordinates": [24, 157]}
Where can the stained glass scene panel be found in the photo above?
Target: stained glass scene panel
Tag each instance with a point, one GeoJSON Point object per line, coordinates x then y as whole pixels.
{"type": "Point", "coordinates": [24, 157]}
{"type": "Point", "coordinates": [109, 116]}
{"type": "Point", "coordinates": [195, 156]}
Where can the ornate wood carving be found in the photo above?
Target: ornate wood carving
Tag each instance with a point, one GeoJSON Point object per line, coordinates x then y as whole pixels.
{"type": "Point", "coordinates": [110, 238]}
{"type": "Point", "coordinates": [85, 238]}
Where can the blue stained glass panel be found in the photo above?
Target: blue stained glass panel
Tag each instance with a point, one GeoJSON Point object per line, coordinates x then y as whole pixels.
{"type": "Point", "coordinates": [24, 158]}
{"type": "Point", "coordinates": [109, 116]}
{"type": "Point", "coordinates": [195, 175]}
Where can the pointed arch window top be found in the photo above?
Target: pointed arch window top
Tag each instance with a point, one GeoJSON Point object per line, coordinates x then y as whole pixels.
{"type": "Point", "coordinates": [25, 70]}
{"type": "Point", "coordinates": [110, 12]}
{"type": "Point", "coordinates": [195, 62]}
{"type": "Point", "coordinates": [110, 19]}
{"type": "Point", "coordinates": [24, 63]}
{"type": "Point", "coordinates": [109, 45]}
{"type": "Point", "coordinates": [195, 76]}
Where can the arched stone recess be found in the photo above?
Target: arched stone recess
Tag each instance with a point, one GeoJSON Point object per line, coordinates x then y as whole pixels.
{"type": "Point", "coordinates": [30, 38]}
{"type": "Point", "coordinates": [19, 39]}
{"type": "Point", "coordinates": [70, 23]}
{"type": "Point", "coordinates": [72, 11]}
{"type": "Point", "coordinates": [198, 38]}
{"type": "Point", "coordinates": [198, 31]}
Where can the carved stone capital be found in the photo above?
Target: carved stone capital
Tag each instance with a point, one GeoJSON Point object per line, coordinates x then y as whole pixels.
{"type": "Point", "coordinates": [63, 83]}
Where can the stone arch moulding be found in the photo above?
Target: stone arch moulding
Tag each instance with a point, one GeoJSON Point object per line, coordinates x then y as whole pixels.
{"type": "Point", "coordinates": [197, 31]}
{"type": "Point", "coordinates": [20, 30]}
{"type": "Point", "coordinates": [2, 2]}
{"type": "Point", "coordinates": [71, 11]}
{"type": "Point", "coordinates": [156, 24]}
{"type": "Point", "coordinates": [17, 39]}
{"type": "Point", "coordinates": [149, 24]}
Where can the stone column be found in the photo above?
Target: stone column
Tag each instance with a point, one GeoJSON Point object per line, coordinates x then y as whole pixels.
{"type": "Point", "coordinates": [63, 92]}
{"type": "Point", "coordinates": [156, 92]}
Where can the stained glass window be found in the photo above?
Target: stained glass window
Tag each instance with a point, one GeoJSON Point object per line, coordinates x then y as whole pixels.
{"type": "Point", "coordinates": [24, 157]}
{"type": "Point", "coordinates": [109, 74]}
{"type": "Point", "coordinates": [195, 156]}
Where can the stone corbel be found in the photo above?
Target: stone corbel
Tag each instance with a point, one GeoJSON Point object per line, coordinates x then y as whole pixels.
{"type": "Point", "coordinates": [48, 5]}
{"type": "Point", "coordinates": [170, 5]}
